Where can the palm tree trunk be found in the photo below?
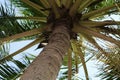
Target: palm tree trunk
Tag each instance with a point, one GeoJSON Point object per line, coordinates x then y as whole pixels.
{"type": "Point", "coordinates": [46, 66]}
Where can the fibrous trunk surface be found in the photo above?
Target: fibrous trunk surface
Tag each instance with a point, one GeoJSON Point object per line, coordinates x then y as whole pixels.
{"type": "Point", "coordinates": [46, 66]}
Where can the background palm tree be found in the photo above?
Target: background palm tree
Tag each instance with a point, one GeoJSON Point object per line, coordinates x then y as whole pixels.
{"type": "Point", "coordinates": [82, 18]}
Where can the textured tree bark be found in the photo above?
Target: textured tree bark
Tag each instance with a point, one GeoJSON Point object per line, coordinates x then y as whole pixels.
{"type": "Point", "coordinates": [46, 66]}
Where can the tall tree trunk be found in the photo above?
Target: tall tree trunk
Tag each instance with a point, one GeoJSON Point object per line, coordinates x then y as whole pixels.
{"type": "Point", "coordinates": [46, 66]}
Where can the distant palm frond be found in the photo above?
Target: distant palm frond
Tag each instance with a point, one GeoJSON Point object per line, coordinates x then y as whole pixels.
{"type": "Point", "coordinates": [11, 70]}
{"type": "Point", "coordinates": [4, 50]}
{"type": "Point", "coordinates": [10, 25]}
{"type": "Point", "coordinates": [110, 70]}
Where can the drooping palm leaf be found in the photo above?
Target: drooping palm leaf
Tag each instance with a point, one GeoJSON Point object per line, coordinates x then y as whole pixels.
{"type": "Point", "coordinates": [11, 70]}
{"type": "Point", "coordinates": [110, 69]}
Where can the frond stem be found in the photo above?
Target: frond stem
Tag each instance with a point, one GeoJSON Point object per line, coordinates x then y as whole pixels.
{"type": "Point", "coordinates": [22, 49]}
{"type": "Point", "coordinates": [35, 6]}
{"type": "Point", "coordinates": [95, 12]}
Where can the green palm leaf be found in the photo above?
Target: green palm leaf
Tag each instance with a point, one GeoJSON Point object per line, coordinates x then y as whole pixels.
{"type": "Point", "coordinates": [11, 70]}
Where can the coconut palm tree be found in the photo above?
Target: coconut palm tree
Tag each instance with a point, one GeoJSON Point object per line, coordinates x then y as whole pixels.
{"type": "Point", "coordinates": [69, 27]}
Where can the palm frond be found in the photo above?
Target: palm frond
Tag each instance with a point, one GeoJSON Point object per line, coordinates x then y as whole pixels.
{"type": "Point", "coordinates": [10, 25]}
{"type": "Point", "coordinates": [54, 7]}
{"type": "Point", "coordinates": [45, 3]}
{"type": "Point", "coordinates": [74, 8]}
{"type": "Point", "coordinates": [21, 35]}
{"type": "Point", "coordinates": [28, 10]}
{"type": "Point", "coordinates": [21, 50]}
{"type": "Point", "coordinates": [35, 6]}
{"type": "Point", "coordinates": [85, 4]}
{"type": "Point", "coordinates": [40, 19]}
{"type": "Point", "coordinates": [99, 11]}
{"type": "Point", "coordinates": [67, 4]}
{"type": "Point", "coordinates": [98, 23]}
{"type": "Point", "coordinates": [111, 68]}
{"type": "Point", "coordinates": [96, 34]}
{"type": "Point", "coordinates": [78, 51]}
{"type": "Point", "coordinates": [69, 64]}
{"type": "Point", "coordinates": [4, 50]}
{"type": "Point", "coordinates": [11, 70]}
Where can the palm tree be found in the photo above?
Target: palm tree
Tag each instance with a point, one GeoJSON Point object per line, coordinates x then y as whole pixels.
{"type": "Point", "coordinates": [68, 27]}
